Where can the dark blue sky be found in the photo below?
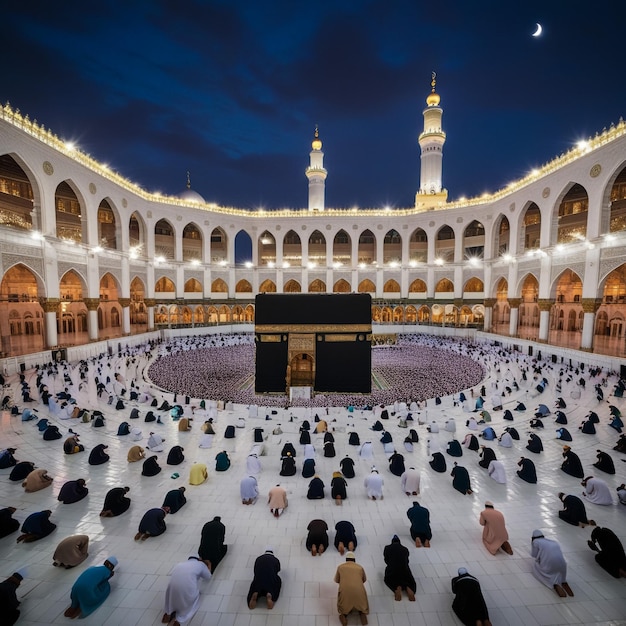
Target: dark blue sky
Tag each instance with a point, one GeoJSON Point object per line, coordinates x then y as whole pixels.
{"type": "Point", "coordinates": [232, 90]}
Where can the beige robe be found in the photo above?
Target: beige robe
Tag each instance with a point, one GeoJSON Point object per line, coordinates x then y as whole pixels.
{"type": "Point", "coordinates": [183, 424]}
{"type": "Point", "coordinates": [277, 498]}
{"type": "Point", "coordinates": [136, 453]}
{"type": "Point", "coordinates": [72, 550]}
{"type": "Point", "coordinates": [494, 531]}
{"type": "Point", "coordinates": [351, 595]}
{"type": "Point", "coordinates": [36, 480]}
{"type": "Point", "coordinates": [198, 474]}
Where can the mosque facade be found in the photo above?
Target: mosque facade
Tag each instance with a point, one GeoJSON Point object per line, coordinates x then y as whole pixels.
{"type": "Point", "coordinates": [87, 255]}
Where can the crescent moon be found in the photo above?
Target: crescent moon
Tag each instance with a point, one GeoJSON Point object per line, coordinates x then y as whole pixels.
{"type": "Point", "coordinates": [538, 31]}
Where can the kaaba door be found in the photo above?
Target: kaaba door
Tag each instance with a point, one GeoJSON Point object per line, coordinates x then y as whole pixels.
{"type": "Point", "coordinates": [302, 370]}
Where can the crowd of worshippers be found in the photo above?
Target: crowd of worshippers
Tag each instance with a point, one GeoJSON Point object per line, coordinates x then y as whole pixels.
{"type": "Point", "coordinates": [549, 566]}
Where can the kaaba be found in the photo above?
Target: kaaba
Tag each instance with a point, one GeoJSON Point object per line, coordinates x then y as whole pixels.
{"type": "Point", "coordinates": [321, 341]}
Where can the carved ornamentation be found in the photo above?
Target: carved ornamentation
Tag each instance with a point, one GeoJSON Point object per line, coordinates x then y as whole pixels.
{"type": "Point", "coordinates": [546, 192]}
{"type": "Point", "coordinates": [124, 202]}
{"type": "Point", "coordinates": [150, 302]}
{"type": "Point", "coordinates": [545, 304]}
{"type": "Point", "coordinates": [591, 305]}
{"type": "Point", "coordinates": [92, 304]}
{"type": "Point", "coordinates": [489, 302]}
{"type": "Point", "coordinates": [47, 168]}
{"type": "Point", "coordinates": [515, 302]}
{"type": "Point", "coordinates": [124, 302]}
{"type": "Point", "coordinates": [92, 189]}
{"type": "Point", "coordinates": [50, 305]}
{"type": "Point", "coordinates": [35, 264]}
{"type": "Point", "coordinates": [595, 170]}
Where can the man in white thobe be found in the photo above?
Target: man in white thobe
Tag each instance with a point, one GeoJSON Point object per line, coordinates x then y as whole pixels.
{"type": "Point", "coordinates": [249, 489]}
{"type": "Point", "coordinates": [506, 441]}
{"type": "Point", "coordinates": [410, 482]}
{"type": "Point", "coordinates": [549, 567]}
{"type": "Point", "coordinates": [182, 596]}
{"type": "Point", "coordinates": [597, 491]}
{"type": "Point", "coordinates": [374, 485]}
{"type": "Point", "coordinates": [497, 472]}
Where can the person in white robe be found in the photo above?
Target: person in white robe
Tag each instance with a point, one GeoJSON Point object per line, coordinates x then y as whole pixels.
{"type": "Point", "coordinates": [472, 424]}
{"type": "Point", "coordinates": [136, 434]}
{"type": "Point", "coordinates": [366, 451]}
{"type": "Point", "coordinates": [206, 440]}
{"type": "Point", "coordinates": [450, 425]}
{"type": "Point", "coordinates": [597, 491]}
{"type": "Point", "coordinates": [410, 481]}
{"type": "Point", "coordinates": [182, 596]}
{"type": "Point", "coordinates": [309, 451]}
{"type": "Point", "coordinates": [497, 472]}
{"type": "Point", "coordinates": [549, 567]}
{"type": "Point", "coordinates": [433, 427]}
{"type": "Point", "coordinates": [506, 441]}
{"type": "Point", "coordinates": [253, 465]}
{"type": "Point", "coordinates": [155, 443]}
{"type": "Point", "coordinates": [374, 485]}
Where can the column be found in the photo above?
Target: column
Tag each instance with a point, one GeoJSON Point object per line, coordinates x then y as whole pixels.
{"type": "Point", "coordinates": [125, 304]}
{"type": "Point", "coordinates": [150, 304]}
{"type": "Point", "coordinates": [590, 308]}
{"type": "Point", "coordinates": [489, 302]}
{"type": "Point", "coordinates": [545, 304]}
{"type": "Point", "coordinates": [514, 316]}
{"type": "Point", "coordinates": [50, 307]}
{"type": "Point", "coordinates": [92, 317]}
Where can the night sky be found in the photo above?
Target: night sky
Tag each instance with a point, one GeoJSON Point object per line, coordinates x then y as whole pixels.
{"type": "Point", "coordinates": [232, 90]}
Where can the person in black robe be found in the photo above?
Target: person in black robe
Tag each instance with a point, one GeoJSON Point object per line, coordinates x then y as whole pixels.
{"type": "Point", "coordinates": [123, 429]}
{"type": "Point", "coordinates": [308, 468]}
{"type": "Point", "coordinates": [98, 456]}
{"type": "Point", "coordinates": [396, 464]}
{"type": "Point", "coordinates": [508, 415]}
{"type": "Point", "coordinates": [317, 539]}
{"type": "Point", "coordinates": [316, 489]}
{"type": "Point", "coordinates": [454, 448]}
{"type": "Point", "coordinates": [175, 500]}
{"type": "Point", "coordinates": [420, 530]}
{"type": "Point", "coordinates": [353, 439]}
{"type": "Point", "coordinates": [115, 502]}
{"type": "Point", "coordinates": [36, 526]}
{"type": "Point", "coordinates": [328, 436]}
{"type": "Point", "coordinates": [305, 437]}
{"type": "Point", "coordinates": [42, 424]}
{"type": "Point", "coordinates": [471, 442]}
{"type": "Point", "coordinates": [288, 449]}
{"type": "Point", "coordinates": [151, 466]}
{"type": "Point", "coordinates": [288, 465]}
{"type": "Point", "coordinates": [152, 524]}
{"type": "Point", "coordinates": [305, 425]}
{"type": "Point", "coordinates": [329, 449]}
{"type": "Point", "coordinates": [212, 546]}
{"type": "Point", "coordinates": [438, 462]}
{"type": "Point", "coordinates": [560, 403]}
{"type": "Point", "coordinates": [378, 426]}
{"type": "Point", "coordinates": [461, 480]}
{"type": "Point", "coordinates": [487, 455]}
{"type": "Point", "coordinates": [574, 511]}
{"type": "Point", "coordinates": [513, 432]}
{"type": "Point", "coordinates": [73, 491]}
{"type": "Point", "coordinates": [8, 525]}
{"type": "Point", "coordinates": [258, 435]}
{"type": "Point", "coordinates": [386, 437]}
{"type": "Point", "coordinates": [563, 434]}
{"type": "Point", "coordinates": [535, 423]}
{"type": "Point", "coordinates": [528, 471]}
{"type": "Point", "coordinates": [610, 551]}
{"type": "Point", "coordinates": [266, 582]}
{"type": "Point", "coordinates": [561, 418]}
{"type": "Point", "coordinates": [229, 433]}
{"type": "Point", "coordinates": [134, 414]}
{"type": "Point", "coordinates": [71, 445]}
{"type": "Point", "coordinates": [338, 488]}
{"type": "Point", "coordinates": [175, 456]}
{"type": "Point", "coordinates": [469, 604]}
{"type": "Point", "coordinates": [98, 422]}
{"type": "Point", "coordinates": [8, 599]}
{"type": "Point", "coordinates": [7, 459]}
{"type": "Point", "coordinates": [414, 436]}
{"type": "Point", "coordinates": [620, 444]}
{"type": "Point", "coordinates": [520, 407]}
{"type": "Point", "coordinates": [51, 433]}
{"type": "Point", "coordinates": [398, 575]}
{"type": "Point", "coordinates": [534, 443]}
{"type": "Point", "coordinates": [587, 428]}
{"type": "Point", "coordinates": [21, 470]}
{"type": "Point", "coordinates": [604, 463]}
{"type": "Point", "coordinates": [572, 465]}
{"type": "Point", "coordinates": [345, 537]}
{"type": "Point", "coordinates": [347, 467]}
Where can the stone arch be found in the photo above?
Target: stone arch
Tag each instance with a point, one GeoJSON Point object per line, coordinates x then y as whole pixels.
{"type": "Point", "coordinates": [444, 244]}
{"type": "Point", "coordinates": [292, 286]}
{"type": "Point", "coordinates": [292, 248]}
{"type": "Point", "coordinates": [342, 286]}
{"type": "Point", "coordinates": [243, 286]}
{"type": "Point", "coordinates": [418, 286]}
{"type": "Point", "coordinates": [366, 251]}
{"type": "Point", "coordinates": [71, 222]}
{"type": "Point", "coordinates": [317, 248]}
{"type": "Point", "coordinates": [367, 286]}
{"type": "Point", "coordinates": [243, 247]}
{"type": "Point", "coordinates": [267, 286]}
{"type": "Point", "coordinates": [391, 286]}
{"type": "Point", "coordinates": [317, 286]}
{"type": "Point", "coordinates": [613, 218]}
{"type": "Point", "coordinates": [109, 226]}
{"type": "Point", "coordinates": [342, 248]}
{"type": "Point", "coordinates": [392, 247]}
{"type": "Point", "coordinates": [474, 241]}
{"type": "Point", "coordinates": [219, 286]}
{"type": "Point", "coordinates": [474, 285]}
{"type": "Point", "coordinates": [266, 249]}
{"type": "Point", "coordinates": [193, 286]}
{"type": "Point", "coordinates": [72, 286]}
{"type": "Point", "coordinates": [410, 314]}
{"type": "Point", "coordinates": [423, 314]}
{"type": "Point", "coordinates": [219, 246]}
{"type": "Point", "coordinates": [418, 246]}
{"type": "Point", "coordinates": [445, 285]}
{"type": "Point", "coordinates": [138, 310]}
{"type": "Point", "coordinates": [529, 228]}
{"type": "Point", "coordinates": [137, 235]}
{"type": "Point", "coordinates": [164, 239]}
{"type": "Point", "coordinates": [569, 217]}
{"type": "Point", "coordinates": [192, 243]}
{"type": "Point", "coordinates": [164, 285]}
{"type": "Point", "coordinates": [17, 193]}
{"type": "Point", "coordinates": [501, 236]}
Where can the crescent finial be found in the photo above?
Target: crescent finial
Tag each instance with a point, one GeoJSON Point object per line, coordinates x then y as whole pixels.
{"type": "Point", "coordinates": [188, 180]}
{"type": "Point", "coordinates": [433, 81]}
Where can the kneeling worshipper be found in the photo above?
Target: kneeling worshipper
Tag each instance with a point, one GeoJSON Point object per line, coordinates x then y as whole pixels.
{"type": "Point", "coordinates": [604, 463]}
{"type": "Point", "coordinates": [421, 533]}
{"type": "Point", "coordinates": [288, 465]}
{"type": "Point", "coordinates": [123, 429]}
{"type": "Point", "coordinates": [488, 433]}
{"type": "Point", "coordinates": [72, 551]}
{"type": "Point", "coordinates": [398, 575]}
{"type": "Point", "coordinates": [506, 441]}
{"type": "Point", "coordinates": [561, 418]}
{"type": "Point", "coordinates": [471, 442]}
{"type": "Point", "coordinates": [8, 597]}
{"type": "Point", "coordinates": [152, 523]}
{"type": "Point", "coordinates": [528, 472]}
{"type": "Point", "coordinates": [317, 539]}
{"type": "Point", "coordinates": [277, 500]}
{"type": "Point", "coordinates": [597, 491]}
{"type": "Point", "coordinates": [71, 445]}
{"type": "Point", "coordinates": [549, 567]}
{"type": "Point", "coordinates": [572, 465]}
{"type": "Point", "coordinates": [308, 468]}
{"type": "Point", "coordinates": [91, 589]}
{"type": "Point", "coordinates": [136, 453]}
{"type": "Point", "coordinates": [222, 462]}
{"type": "Point", "coordinates": [486, 456]}
{"type": "Point", "coordinates": [248, 490]}
{"type": "Point", "coordinates": [563, 434]}
{"type": "Point", "coordinates": [410, 482]}
{"type": "Point", "coordinates": [345, 536]}
{"type": "Point", "coordinates": [338, 488]}
{"type": "Point", "coordinates": [36, 526]}
{"type": "Point", "coordinates": [212, 547]}
{"type": "Point", "coordinates": [534, 443]}
{"type": "Point", "coordinates": [266, 582]}
{"type": "Point", "coordinates": [346, 465]}
{"type": "Point", "coordinates": [198, 474]}
{"type": "Point", "coordinates": [587, 428]}
{"type": "Point", "coordinates": [438, 462]}
{"type": "Point", "coordinates": [7, 459]}
{"type": "Point", "coordinates": [155, 443]}
{"type": "Point", "coordinates": [454, 448]}
{"type": "Point", "coordinates": [621, 493]}
{"type": "Point", "coordinates": [151, 466]}
{"type": "Point", "coordinates": [73, 491]}
{"type": "Point", "coordinates": [366, 451]}
{"type": "Point", "coordinates": [174, 500]}
{"type": "Point", "coordinates": [495, 535]}
{"type": "Point", "coordinates": [461, 480]}
{"type": "Point", "coordinates": [396, 464]}
{"type": "Point", "coordinates": [374, 485]}
{"type": "Point", "coordinates": [610, 551]}
{"type": "Point", "coordinates": [115, 502]}
{"type": "Point", "coordinates": [351, 595]}
{"type": "Point", "coordinates": [98, 456]}
{"type": "Point", "coordinates": [469, 604]}
{"type": "Point", "coordinates": [316, 489]}
{"type": "Point", "coordinates": [182, 596]}
{"type": "Point", "coordinates": [8, 525]}
{"type": "Point", "coordinates": [37, 479]}
{"type": "Point", "coordinates": [175, 456]}
{"type": "Point", "coordinates": [253, 465]}
{"type": "Point", "coordinates": [574, 511]}
{"type": "Point", "coordinates": [497, 471]}
{"type": "Point", "coordinates": [513, 432]}
{"type": "Point", "coordinates": [184, 424]}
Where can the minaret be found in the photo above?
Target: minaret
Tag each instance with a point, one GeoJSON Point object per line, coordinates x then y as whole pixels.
{"type": "Point", "coordinates": [431, 193]}
{"type": "Point", "coordinates": [316, 174]}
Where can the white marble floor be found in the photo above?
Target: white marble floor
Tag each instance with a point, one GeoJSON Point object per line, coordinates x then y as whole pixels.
{"type": "Point", "coordinates": [513, 595]}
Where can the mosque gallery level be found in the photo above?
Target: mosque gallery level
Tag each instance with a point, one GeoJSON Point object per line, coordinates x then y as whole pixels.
{"type": "Point", "coordinates": [87, 255]}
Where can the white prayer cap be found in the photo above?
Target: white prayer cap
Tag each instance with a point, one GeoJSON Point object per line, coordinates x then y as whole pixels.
{"type": "Point", "coordinates": [537, 534]}
{"type": "Point", "coordinates": [350, 556]}
{"type": "Point", "coordinates": [112, 560]}
{"type": "Point", "coordinates": [462, 571]}
{"type": "Point", "coordinates": [269, 549]}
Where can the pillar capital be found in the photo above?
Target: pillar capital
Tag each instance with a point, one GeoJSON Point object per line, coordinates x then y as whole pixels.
{"type": "Point", "coordinates": [545, 304]}
{"type": "Point", "coordinates": [50, 305]}
{"type": "Point", "coordinates": [92, 304]}
{"type": "Point", "coordinates": [515, 302]}
{"type": "Point", "coordinates": [489, 303]}
{"type": "Point", "coordinates": [150, 302]}
{"type": "Point", "coordinates": [591, 305]}
{"type": "Point", "coordinates": [124, 302]}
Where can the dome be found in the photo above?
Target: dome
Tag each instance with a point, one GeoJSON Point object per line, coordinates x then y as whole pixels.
{"type": "Point", "coordinates": [433, 99]}
{"type": "Point", "coordinates": [189, 195]}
